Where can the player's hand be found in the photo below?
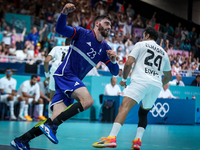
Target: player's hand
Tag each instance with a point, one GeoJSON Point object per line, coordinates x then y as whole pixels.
{"type": "Point", "coordinates": [68, 8]}
{"type": "Point", "coordinates": [112, 55]}
{"type": "Point", "coordinates": [45, 26]}
{"type": "Point", "coordinates": [123, 84]}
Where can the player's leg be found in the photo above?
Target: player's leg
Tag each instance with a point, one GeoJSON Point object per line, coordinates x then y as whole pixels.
{"type": "Point", "coordinates": [133, 95]}
{"type": "Point", "coordinates": [85, 101]}
{"type": "Point", "coordinates": [142, 114]}
{"type": "Point", "coordinates": [28, 101]}
{"type": "Point", "coordinates": [75, 90]}
{"type": "Point", "coordinates": [40, 103]}
{"type": "Point", "coordinates": [22, 102]}
{"type": "Point", "coordinates": [50, 112]}
{"type": "Point", "coordinates": [110, 141]}
{"type": "Point", "coordinates": [145, 107]}
{"type": "Point", "coordinates": [23, 140]}
{"type": "Point", "coordinates": [52, 93]}
{"type": "Point", "coordinates": [10, 101]}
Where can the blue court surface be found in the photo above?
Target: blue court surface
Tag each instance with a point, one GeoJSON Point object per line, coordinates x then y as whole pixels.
{"type": "Point", "coordinates": [80, 135]}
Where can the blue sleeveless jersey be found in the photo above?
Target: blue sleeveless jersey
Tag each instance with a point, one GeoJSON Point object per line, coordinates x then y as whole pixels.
{"type": "Point", "coordinates": [84, 53]}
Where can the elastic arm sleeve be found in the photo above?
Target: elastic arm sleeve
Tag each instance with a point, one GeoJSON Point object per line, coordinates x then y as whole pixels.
{"type": "Point", "coordinates": [62, 28]}
{"type": "Point", "coordinates": [114, 68]}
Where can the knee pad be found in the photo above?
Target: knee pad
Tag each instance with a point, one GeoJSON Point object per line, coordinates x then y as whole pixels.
{"type": "Point", "coordinates": [142, 114]}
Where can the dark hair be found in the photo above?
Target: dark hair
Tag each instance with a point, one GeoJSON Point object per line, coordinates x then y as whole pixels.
{"type": "Point", "coordinates": [68, 41]}
{"type": "Point", "coordinates": [153, 34]}
{"type": "Point", "coordinates": [33, 76]}
{"type": "Point", "coordinates": [100, 17]}
{"type": "Point", "coordinates": [8, 69]}
{"type": "Point", "coordinates": [198, 75]}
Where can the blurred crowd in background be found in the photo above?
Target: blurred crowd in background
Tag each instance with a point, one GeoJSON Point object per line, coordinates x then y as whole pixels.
{"type": "Point", "coordinates": [184, 51]}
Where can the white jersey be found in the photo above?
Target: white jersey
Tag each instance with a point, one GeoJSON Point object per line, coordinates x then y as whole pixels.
{"type": "Point", "coordinates": [8, 85]}
{"type": "Point", "coordinates": [30, 90]}
{"type": "Point", "coordinates": [151, 61]}
{"type": "Point", "coordinates": [58, 54]}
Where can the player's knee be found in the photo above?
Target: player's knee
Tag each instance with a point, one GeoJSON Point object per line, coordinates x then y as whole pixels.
{"type": "Point", "coordinates": [26, 99]}
{"type": "Point", "coordinates": [21, 99]}
{"type": "Point", "coordinates": [40, 101]}
{"type": "Point", "coordinates": [87, 103]}
{"type": "Point", "coordinates": [10, 98]}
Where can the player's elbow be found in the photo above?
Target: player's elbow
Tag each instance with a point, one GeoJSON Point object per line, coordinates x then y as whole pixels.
{"type": "Point", "coordinates": [58, 29]}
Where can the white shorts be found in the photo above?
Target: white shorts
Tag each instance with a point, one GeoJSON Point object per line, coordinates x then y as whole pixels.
{"type": "Point", "coordinates": [4, 98]}
{"type": "Point", "coordinates": [52, 83]}
{"type": "Point", "coordinates": [30, 100]}
{"type": "Point", "coordinates": [16, 98]}
{"type": "Point", "coordinates": [147, 93]}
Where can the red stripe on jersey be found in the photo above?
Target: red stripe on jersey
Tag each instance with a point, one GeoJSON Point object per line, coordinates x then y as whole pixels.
{"type": "Point", "coordinates": [107, 62]}
{"type": "Point", "coordinates": [74, 33]}
{"type": "Point", "coordinates": [93, 33]}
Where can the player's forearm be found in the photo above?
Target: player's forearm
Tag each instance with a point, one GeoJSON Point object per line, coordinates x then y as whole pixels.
{"type": "Point", "coordinates": [114, 68]}
{"type": "Point", "coordinates": [62, 28]}
{"type": "Point", "coordinates": [28, 96]}
{"type": "Point", "coordinates": [46, 67]}
{"type": "Point", "coordinates": [127, 69]}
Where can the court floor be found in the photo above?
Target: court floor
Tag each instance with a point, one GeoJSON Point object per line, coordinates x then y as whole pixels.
{"type": "Point", "coordinates": [77, 134]}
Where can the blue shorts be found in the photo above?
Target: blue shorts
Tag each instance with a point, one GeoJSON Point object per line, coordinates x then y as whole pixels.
{"type": "Point", "coordinates": [65, 86]}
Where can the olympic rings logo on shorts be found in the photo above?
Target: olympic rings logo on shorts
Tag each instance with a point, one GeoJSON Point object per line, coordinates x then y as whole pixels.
{"type": "Point", "coordinates": [158, 108]}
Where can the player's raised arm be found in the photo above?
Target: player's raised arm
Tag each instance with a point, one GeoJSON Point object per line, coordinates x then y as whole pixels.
{"type": "Point", "coordinates": [113, 66]}
{"type": "Point", "coordinates": [61, 26]}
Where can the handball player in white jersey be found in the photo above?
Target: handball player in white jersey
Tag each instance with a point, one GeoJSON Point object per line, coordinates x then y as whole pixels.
{"type": "Point", "coordinates": [151, 61]}
{"type": "Point", "coordinates": [57, 54]}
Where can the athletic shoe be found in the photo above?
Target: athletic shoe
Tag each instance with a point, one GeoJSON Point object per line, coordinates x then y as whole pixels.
{"type": "Point", "coordinates": [136, 144]}
{"type": "Point", "coordinates": [106, 142]}
{"type": "Point", "coordinates": [12, 117]}
{"type": "Point", "coordinates": [20, 144]}
{"type": "Point", "coordinates": [49, 131]}
{"type": "Point", "coordinates": [20, 117]}
{"type": "Point", "coordinates": [28, 118]}
{"type": "Point", "coordinates": [42, 118]}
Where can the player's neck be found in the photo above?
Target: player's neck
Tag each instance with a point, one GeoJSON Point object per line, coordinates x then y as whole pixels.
{"type": "Point", "coordinates": [98, 35]}
{"type": "Point", "coordinates": [8, 77]}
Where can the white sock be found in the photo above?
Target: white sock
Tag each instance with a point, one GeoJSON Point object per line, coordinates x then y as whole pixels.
{"type": "Point", "coordinates": [22, 104]}
{"type": "Point", "coordinates": [25, 109]}
{"type": "Point", "coordinates": [41, 106]}
{"type": "Point", "coordinates": [115, 129]}
{"type": "Point", "coordinates": [11, 105]}
{"type": "Point", "coordinates": [140, 132]}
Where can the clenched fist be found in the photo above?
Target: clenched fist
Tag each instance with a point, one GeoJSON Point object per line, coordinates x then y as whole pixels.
{"type": "Point", "coordinates": [68, 8]}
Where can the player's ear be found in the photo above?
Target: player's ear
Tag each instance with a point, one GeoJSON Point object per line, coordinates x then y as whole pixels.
{"type": "Point", "coordinates": [147, 36]}
{"type": "Point", "coordinates": [97, 23]}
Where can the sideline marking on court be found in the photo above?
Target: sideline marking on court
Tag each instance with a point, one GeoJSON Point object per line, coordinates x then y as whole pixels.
{"type": "Point", "coordinates": [171, 146]}
{"type": "Point", "coordinates": [84, 139]}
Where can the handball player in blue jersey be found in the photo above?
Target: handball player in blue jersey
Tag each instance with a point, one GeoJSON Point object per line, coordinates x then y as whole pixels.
{"type": "Point", "coordinates": [86, 50]}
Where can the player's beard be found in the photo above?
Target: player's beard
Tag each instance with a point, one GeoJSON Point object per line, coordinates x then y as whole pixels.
{"type": "Point", "coordinates": [102, 31]}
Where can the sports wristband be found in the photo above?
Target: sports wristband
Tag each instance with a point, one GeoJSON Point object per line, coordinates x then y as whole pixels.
{"type": "Point", "coordinates": [124, 80]}
{"type": "Point", "coordinates": [47, 75]}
